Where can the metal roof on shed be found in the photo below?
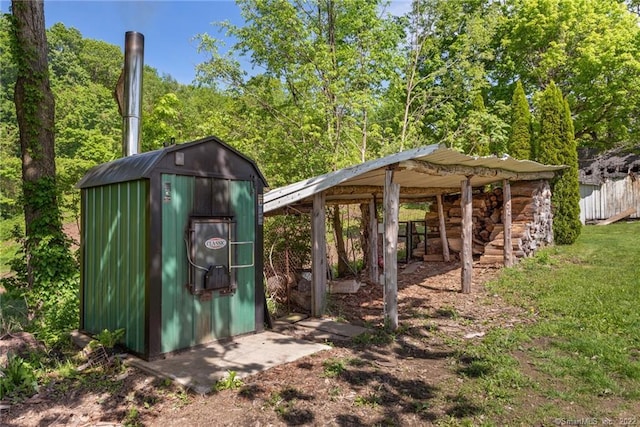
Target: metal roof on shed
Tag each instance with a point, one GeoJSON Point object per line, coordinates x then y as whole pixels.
{"type": "Point", "coordinates": [420, 172]}
{"type": "Point", "coordinates": [141, 165]}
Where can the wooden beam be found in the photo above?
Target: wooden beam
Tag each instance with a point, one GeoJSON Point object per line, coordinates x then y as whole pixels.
{"type": "Point", "coordinates": [484, 172]}
{"type": "Point", "coordinates": [342, 190]}
{"type": "Point", "coordinates": [443, 230]}
{"type": "Point", "coordinates": [618, 217]}
{"type": "Point", "coordinates": [506, 220]}
{"type": "Point", "coordinates": [391, 208]}
{"type": "Point", "coordinates": [318, 256]}
{"type": "Point", "coordinates": [361, 200]}
{"type": "Point", "coordinates": [373, 243]}
{"type": "Point", "coordinates": [467, 235]}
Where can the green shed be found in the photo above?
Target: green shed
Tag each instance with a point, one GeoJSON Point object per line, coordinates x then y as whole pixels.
{"type": "Point", "coordinates": [171, 247]}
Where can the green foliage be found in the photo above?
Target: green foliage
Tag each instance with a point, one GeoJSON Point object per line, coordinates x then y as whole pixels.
{"type": "Point", "coordinates": [556, 146]}
{"type": "Point", "coordinates": [288, 233]}
{"type": "Point", "coordinates": [17, 379]}
{"type": "Point", "coordinates": [13, 313]}
{"type": "Point", "coordinates": [52, 301]}
{"type": "Point", "coordinates": [482, 132]}
{"type": "Point", "coordinates": [133, 418]}
{"type": "Point", "coordinates": [229, 382]}
{"type": "Point", "coordinates": [333, 367]}
{"type": "Point", "coordinates": [589, 48]}
{"type": "Point", "coordinates": [56, 310]}
{"type": "Point", "coordinates": [107, 338]}
{"type": "Point", "coordinates": [520, 139]}
{"type": "Point", "coordinates": [371, 400]}
{"type": "Point", "coordinates": [321, 102]}
{"type": "Point", "coordinates": [9, 247]}
{"type": "Point", "coordinates": [10, 174]}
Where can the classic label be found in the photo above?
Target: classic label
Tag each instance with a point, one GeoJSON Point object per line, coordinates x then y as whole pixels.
{"type": "Point", "coordinates": [215, 243]}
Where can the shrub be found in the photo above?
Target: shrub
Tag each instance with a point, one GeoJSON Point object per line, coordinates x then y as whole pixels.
{"type": "Point", "coordinates": [17, 379]}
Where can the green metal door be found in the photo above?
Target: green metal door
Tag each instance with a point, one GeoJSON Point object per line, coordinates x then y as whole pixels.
{"type": "Point", "coordinates": [188, 319]}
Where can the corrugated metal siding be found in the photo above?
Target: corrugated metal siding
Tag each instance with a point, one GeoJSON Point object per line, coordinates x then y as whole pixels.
{"type": "Point", "coordinates": [608, 199]}
{"type": "Point", "coordinates": [243, 200]}
{"type": "Point", "coordinates": [115, 259]}
{"type": "Point", "coordinates": [187, 321]}
{"type": "Point", "coordinates": [177, 302]}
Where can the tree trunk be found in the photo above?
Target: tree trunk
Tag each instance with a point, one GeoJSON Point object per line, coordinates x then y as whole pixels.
{"type": "Point", "coordinates": [35, 114]}
{"type": "Point", "coordinates": [343, 265]}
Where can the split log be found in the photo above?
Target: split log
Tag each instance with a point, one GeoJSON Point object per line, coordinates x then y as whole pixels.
{"type": "Point", "coordinates": [455, 244]}
{"type": "Point", "coordinates": [531, 229]}
{"type": "Point", "coordinates": [500, 252]}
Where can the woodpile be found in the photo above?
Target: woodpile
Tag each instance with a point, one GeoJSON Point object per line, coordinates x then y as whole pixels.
{"type": "Point", "coordinates": [531, 222]}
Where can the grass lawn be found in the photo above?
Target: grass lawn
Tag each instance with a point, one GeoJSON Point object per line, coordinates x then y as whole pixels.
{"type": "Point", "coordinates": [579, 357]}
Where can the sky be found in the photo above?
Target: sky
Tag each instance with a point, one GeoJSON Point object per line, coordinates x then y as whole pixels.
{"type": "Point", "coordinates": [168, 26]}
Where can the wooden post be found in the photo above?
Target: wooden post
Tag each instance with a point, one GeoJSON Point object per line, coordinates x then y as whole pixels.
{"type": "Point", "coordinates": [443, 230]}
{"type": "Point", "coordinates": [373, 242]}
{"type": "Point", "coordinates": [467, 235]}
{"type": "Point", "coordinates": [391, 208]}
{"type": "Point", "coordinates": [318, 256]}
{"type": "Point", "coordinates": [506, 220]}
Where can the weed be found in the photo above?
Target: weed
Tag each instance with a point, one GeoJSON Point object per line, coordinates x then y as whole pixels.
{"type": "Point", "coordinates": [133, 418]}
{"type": "Point", "coordinates": [420, 407]}
{"type": "Point", "coordinates": [274, 399]}
{"type": "Point", "coordinates": [333, 367]}
{"type": "Point", "coordinates": [230, 382]}
{"type": "Point", "coordinates": [182, 397]}
{"type": "Point", "coordinates": [334, 392]}
{"type": "Point", "coordinates": [17, 379]}
{"type": "Point", "coordinates": [107, 338]}
{"type": "Point", "coordinates": [372, 400]}
{"type": "Point", "coordinates": [448, 312]}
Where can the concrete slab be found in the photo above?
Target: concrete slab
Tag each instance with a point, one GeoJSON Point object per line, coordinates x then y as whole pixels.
{"type": "Point", "coordinates": [200, 368]}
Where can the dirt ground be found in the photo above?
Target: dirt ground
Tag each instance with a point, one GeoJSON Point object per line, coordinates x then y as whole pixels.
{"type": "Point", "coordinates": [406, 381]}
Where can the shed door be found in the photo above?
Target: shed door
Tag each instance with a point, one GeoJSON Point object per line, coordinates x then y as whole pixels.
{"type": "Point", "coordinates": [188, 320]}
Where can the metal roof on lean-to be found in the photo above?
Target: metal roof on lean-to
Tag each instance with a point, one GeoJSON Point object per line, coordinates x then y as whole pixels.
{"type": "Point", "coordinates": [420, 172]}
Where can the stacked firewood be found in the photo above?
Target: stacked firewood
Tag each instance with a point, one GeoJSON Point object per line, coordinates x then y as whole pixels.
{"type": "Point", "coordinates": [531, 222]}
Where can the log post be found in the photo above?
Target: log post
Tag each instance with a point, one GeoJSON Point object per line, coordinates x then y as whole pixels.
{"type": "Point", "coordinates": [318, 256]}
{"type": "Point", "coordinates": [391, 208]}
{"type": "Point", "coordinates": [467, 234]}
{"type": "Point", "coordinates": [373, 242]}
{"type": "Point", "coordinates": [443, 230]}
{"type": "Point", "coordinates": [506, 220]}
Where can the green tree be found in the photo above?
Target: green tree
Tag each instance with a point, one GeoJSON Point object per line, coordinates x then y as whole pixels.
{"type": "Point", "coordinates": [520, 142]}
{"type": "Point", "coordinates": [590, 48]}
{"type": "Point", "coordinates": [10, 169]}
{"type": "Point", "coordinates": [63, 55]}
{"type": "Point", "coordinates": [449, 46]}
{"type": "Point", "coordinates": [325, 66]}
{"type": "Point", "coordinates": [557, 146]}
{"type": "Point", "coordinates": [46, 248]}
